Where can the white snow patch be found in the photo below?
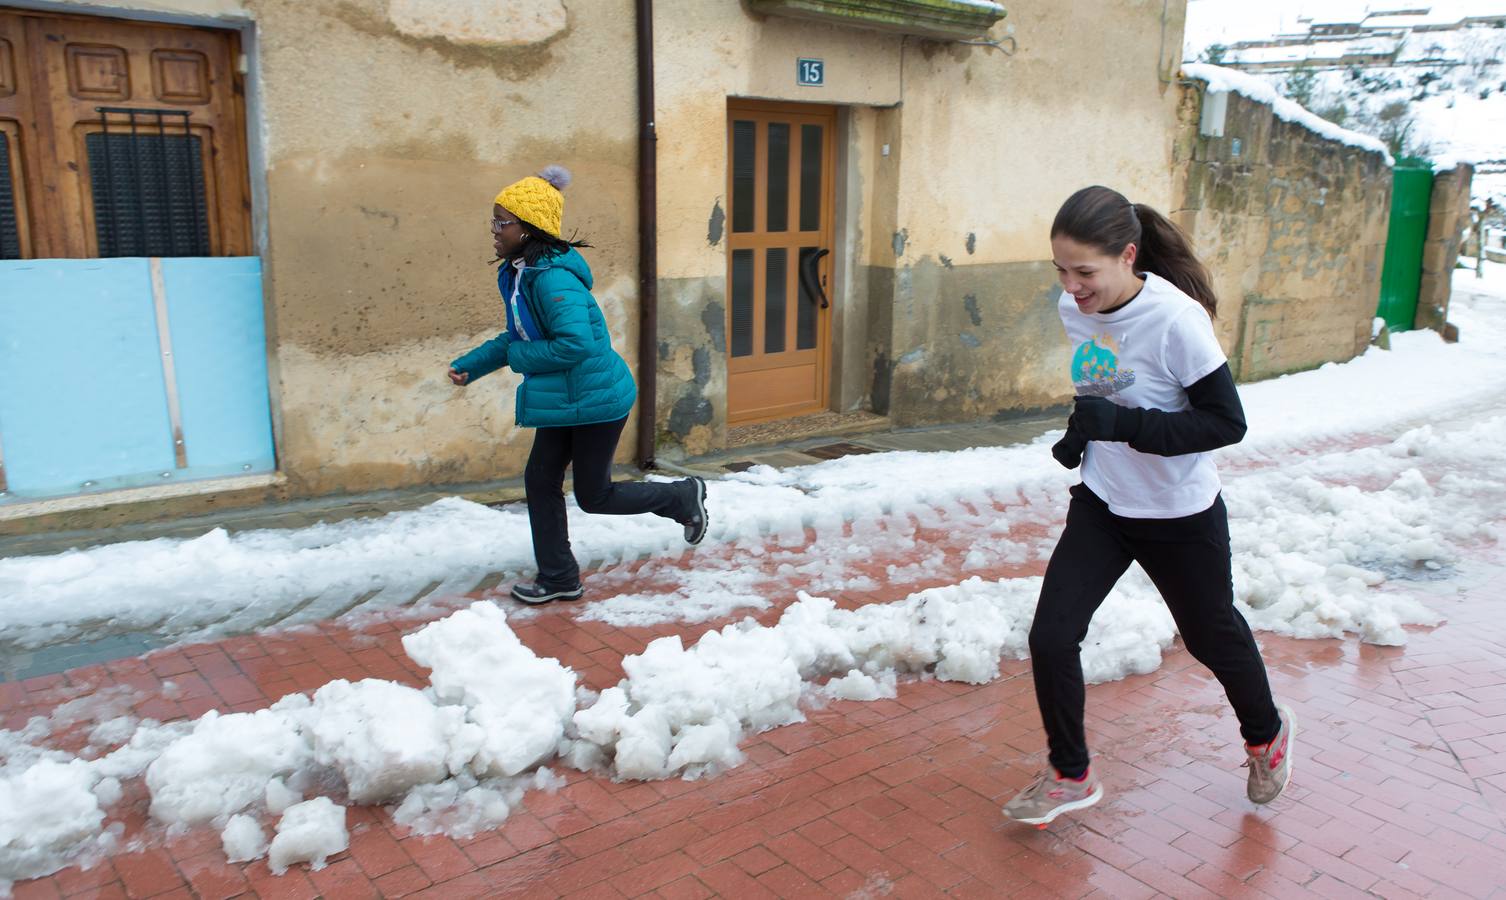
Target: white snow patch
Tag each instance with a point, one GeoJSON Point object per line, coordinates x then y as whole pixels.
{"type": "Point", "coordinates": [859, 685]}
{"type": "Point", "coordinates": [519, 701]}
{"type": "Point", "coordinates": [243, 840]}
{"type": "Point", "coordinates": [49, 816]}
{"type": "Point", "coordinates": [226, 763]}
{"type": "Point", "coordinates": [311, 832]}
{"type": "Point", "coordinates": [385, 738]}
{"type": "Point", "coordinates": [280, 796]}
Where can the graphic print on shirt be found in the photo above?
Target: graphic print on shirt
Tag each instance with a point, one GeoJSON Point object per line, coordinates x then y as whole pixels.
{"type": "Point", "coordinates": [1095, 368]}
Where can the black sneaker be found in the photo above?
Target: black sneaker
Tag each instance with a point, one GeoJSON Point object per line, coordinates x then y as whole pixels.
{"type": "Point", "coordinates": [695, 526]}
{"type": "Point", "coordinates": [536, 593]}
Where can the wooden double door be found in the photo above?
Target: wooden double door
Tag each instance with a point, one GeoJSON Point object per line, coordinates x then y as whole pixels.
{"type": "Point", "coordinates": [780, 210]}
{"type": "Point", "coordinates": [120, 139]}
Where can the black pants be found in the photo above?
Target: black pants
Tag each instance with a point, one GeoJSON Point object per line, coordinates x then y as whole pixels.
{"type": "Point", "coordinates": [590, 449]}
{"type": "Point", "coordinates": [1188, 559]}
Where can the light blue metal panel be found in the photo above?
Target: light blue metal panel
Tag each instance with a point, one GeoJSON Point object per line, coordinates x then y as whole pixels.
{"type": "Point", "coordinates": [81, 390]}
{"type": "Point", "coordinates": [214, 309]}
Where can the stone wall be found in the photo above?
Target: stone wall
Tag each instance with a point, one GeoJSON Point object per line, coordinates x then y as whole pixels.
{"type": "Point", "coordinates": [1448, 218]}
{"type": "Point", "coordinates": [1292, 225]}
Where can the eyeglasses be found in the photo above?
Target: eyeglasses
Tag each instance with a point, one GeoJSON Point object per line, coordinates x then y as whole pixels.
{"type": "Point", "coordinates": [499, 224]}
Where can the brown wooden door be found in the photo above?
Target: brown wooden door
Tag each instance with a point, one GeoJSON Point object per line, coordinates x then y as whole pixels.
{"type": "Point", "coordinates": [123, 138]}
{"type": "Point", "coordinates": [780, 210]}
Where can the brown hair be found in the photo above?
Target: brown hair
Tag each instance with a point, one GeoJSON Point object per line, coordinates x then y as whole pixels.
{"type": "Point", "coordinates": [1101, 217]}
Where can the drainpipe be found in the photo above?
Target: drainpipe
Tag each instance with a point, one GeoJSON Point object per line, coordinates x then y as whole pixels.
{"type": "Point", "coordinates": [648, 241]}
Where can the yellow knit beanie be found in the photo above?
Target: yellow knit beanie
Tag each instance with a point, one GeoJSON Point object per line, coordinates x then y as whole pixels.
{"type": "Point", "coordinates": [537, 199]}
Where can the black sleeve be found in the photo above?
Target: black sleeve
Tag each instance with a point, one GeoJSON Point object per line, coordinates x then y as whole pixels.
{"type": "Point", "coordinates": [1215, 420]}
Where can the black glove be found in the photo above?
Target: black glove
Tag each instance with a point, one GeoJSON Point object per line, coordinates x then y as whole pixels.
{"type": "Point", "coordinates": [1104, 420]}
{"type": "Point", "coordinates": [1068, 450]}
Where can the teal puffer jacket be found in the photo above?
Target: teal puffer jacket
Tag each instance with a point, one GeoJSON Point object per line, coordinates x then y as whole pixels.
{"type": "Point", "coordinates": [563, 350]}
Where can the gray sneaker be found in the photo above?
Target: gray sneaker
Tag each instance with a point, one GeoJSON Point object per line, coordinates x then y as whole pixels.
{"type": "Point", "coordinates": [1271, 764]}
{"type": "Point", "coordinates": [1050, 795]}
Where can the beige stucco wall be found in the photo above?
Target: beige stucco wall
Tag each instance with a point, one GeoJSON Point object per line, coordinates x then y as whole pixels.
{"type": "Point", "coordinates": [383, 129]}
{"type": "Point", "coordinates": [1292, 226]}
{"type": "Point", "coordinates": [380, 129]}
{"type": "Point", "coordinates": [992, 144]}
{"type": "Point", "coordinates": [943, 295]}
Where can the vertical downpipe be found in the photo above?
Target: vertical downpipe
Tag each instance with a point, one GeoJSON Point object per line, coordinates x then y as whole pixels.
{"type": "Point", "coordinates": [648, 241]}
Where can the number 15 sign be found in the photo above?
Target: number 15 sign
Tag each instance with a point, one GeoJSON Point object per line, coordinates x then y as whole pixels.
{"type": "Point", "coordinates": [810, 72]}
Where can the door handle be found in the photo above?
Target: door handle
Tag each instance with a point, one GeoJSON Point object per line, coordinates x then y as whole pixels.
{"type": "Point", "coordinates": [809, 279]}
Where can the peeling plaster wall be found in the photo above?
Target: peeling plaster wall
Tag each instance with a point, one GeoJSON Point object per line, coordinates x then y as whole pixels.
{"type": "Point", "coordinates": [1292, 226]}
{"type": "Point", "coordinates": [943, 304]}
{"type": "Point", "coordinates": [386, 127]}
{"type": "Point", "coordinates": [704, 54]}
{"type": "Point", "coordinates": [991, 145]}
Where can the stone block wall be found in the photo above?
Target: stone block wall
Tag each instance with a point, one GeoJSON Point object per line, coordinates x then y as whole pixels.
{"type": "Point", "coordinates": [1292, 224]}
{"type": "Point", "coordinates": [1448, 218]}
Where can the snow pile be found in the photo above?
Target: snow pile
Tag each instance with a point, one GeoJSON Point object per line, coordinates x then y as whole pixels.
{"type": "Point", "coordinates": [494, 709]}
{"type": "Point", "coordinates": [53, 805]}
{"type": "Point", "coordinates": [49, 815]}
{"type": "Point", "coordinates": [223, 767]}
{"type": "Point", "coordinates": [311, 832]}
{"type": "Point", "coordinates": [1309, 547]}
{"type": "Point", "coordinates": [385, 738]}
{"type": "Point", "coordinates": [243, 840]}
{"type": "Point", "coordinates": [1312, 536]}
{"type": "Point", "coordinates": [519, 702]}
{"type": "Point", "coordinates": [1219, 78]}
{"type": "Point", "coordinates": [463, 805]}
{"type": "Point", "coordinates": [680, 710]}
{"type": "Point", "coordinates": [269, 576]}
{"type": "Point", "coordinates": [280, 796]}
{"type": "Point", "coordinates": [858, 685]}
{"type": "Point", "coordinates": [684, 711]}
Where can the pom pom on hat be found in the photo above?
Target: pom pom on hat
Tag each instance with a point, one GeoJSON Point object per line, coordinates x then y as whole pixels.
{"type": "Point", "coordinates": [559, 176]}
{"type": "Point", "coordinates": [537, 199]}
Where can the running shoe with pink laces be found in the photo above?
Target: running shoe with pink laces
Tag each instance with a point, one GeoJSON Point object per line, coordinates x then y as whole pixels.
{"type": "Point", "coordinates": [1271, 764]}
{"type": "Point", "coordinates": [1050, 795]}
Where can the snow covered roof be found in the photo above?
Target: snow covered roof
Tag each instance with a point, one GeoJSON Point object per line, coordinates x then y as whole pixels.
{"type": "Point", "coordinates": [1316, 52]}
{"type": "Point", "coordinates": [1219, 78]}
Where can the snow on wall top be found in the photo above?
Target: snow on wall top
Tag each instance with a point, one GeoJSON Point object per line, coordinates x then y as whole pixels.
{"type": "Point", "coordinates": [1219, 78]}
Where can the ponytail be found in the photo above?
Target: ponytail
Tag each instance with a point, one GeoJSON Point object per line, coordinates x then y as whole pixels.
{"type": "Point", "coordinates": [1101, 217]}
{"type": "Point", "coordinates": [1166, 250]}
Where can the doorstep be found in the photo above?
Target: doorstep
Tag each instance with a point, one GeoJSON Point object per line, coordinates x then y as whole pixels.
{"type": "Point", "coordinates": [875, 435]}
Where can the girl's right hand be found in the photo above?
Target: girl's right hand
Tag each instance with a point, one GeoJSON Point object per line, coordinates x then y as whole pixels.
{"type": "Point", "coordinates": [458, 377]}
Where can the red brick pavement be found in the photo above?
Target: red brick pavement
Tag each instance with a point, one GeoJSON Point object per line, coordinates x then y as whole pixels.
{"type": "Point", "coordinates": [1400, 784]}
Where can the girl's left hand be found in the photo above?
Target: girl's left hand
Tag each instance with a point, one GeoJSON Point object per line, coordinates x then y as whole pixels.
{"type": "Point", "coordinates": [1100, 419]}
{"type": "Point", "coordinates": [458, 377]}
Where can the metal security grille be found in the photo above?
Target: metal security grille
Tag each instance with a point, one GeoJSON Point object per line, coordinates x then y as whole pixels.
{"type": "Point", "coordinates": [146, 171]}
{"type": "Point", "coordinates": [10, 234]}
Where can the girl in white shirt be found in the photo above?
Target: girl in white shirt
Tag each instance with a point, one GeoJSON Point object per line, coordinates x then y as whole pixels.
{"type": "Point", "coordinates": [1154, 397]}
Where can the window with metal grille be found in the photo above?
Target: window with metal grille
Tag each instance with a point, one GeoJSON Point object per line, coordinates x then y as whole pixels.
{"type": "Point", "coordinates": [146, 170]}
{"type": "Point", "coordinates": [10, 233]}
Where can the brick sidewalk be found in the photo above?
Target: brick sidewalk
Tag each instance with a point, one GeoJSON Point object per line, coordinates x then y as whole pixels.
{"type": "Point", "coordinates": [1400, 784]}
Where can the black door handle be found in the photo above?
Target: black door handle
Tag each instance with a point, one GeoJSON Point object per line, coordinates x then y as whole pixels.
{"type": "Point", "coordinates": [808, 278]}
